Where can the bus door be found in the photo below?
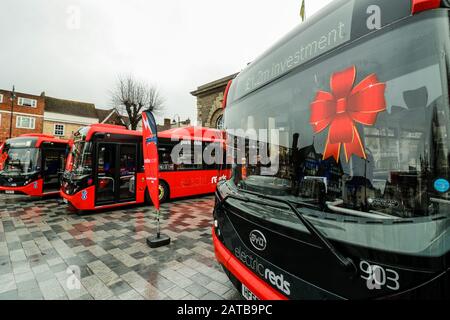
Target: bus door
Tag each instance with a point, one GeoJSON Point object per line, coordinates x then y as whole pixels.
{"type": "Point", "coordinates": [116, 169]}
{"type": "Point", "coordinates": [127, 172]}
{"type": "Point", "coordinates": [53, 159]}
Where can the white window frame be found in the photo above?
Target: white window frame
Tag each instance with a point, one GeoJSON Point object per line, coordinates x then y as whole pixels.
{"type": "Point", "coordinates": [63, 129]}
{"type": "Point", "coordinates": [21, 100]}
{"type": "Point", "coordinates": [1, 98]}
{"type": "Point", "coordinates": [32, 122]}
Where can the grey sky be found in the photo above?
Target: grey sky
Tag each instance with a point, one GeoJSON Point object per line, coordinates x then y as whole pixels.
{"type": "Point", "coordinates": [175, 44]}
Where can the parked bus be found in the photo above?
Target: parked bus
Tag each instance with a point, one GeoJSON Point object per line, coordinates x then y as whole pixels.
{"type": "Point", "coordinates": [106, 169]}
{"type": "Point", "coordinates": [32, 164]}
{"type": "Point", "coordinates": [356, 202]}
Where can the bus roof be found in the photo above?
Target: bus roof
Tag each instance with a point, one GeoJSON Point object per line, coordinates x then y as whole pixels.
{"type": "Point", "coordinates": [110, 128]}
{"type": "Point", "coordinates": [339, 23]}
{"type": "Point", "coordinates": [184, 133]}
{"type": "Point", "coordinates": [41, 138]}
{"type": "Point", "coordinates": [192, 133]}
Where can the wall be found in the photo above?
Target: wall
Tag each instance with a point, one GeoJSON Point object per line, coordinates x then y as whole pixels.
{"type": "Point", "coordinates": [69, 128]}
{"type": "Point", "coordinates": [71, 123]}
{"type": "Point", "coordinates": [5, 108]}
{"type": "Point", "coordinates": [209, 108]}
{"type": "Point", "coordinates": [4, 128]}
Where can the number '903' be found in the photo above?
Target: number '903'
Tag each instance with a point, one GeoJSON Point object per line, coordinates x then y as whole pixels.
{"type": "Point", "coordinates": [378, 277]}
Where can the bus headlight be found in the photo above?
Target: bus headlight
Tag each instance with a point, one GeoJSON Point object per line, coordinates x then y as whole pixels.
{"type": "Point", "coordinates": [216, 227]}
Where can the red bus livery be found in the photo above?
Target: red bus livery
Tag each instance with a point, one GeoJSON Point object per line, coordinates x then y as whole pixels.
{"type": "Point", "coordinates": [106, 166]}
{"type": "Point", "coordinates": [32, 164]}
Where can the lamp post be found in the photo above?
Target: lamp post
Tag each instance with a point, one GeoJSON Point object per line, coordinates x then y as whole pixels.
{"type": "Point", "coordinates": [13, 96]}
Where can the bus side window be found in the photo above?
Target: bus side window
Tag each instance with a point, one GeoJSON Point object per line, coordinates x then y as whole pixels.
{"type": "Point", "coordinates": [165, 156]}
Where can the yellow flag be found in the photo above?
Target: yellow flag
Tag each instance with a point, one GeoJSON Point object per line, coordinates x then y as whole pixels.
{"type": "Point", "coordinates": [303, 11]}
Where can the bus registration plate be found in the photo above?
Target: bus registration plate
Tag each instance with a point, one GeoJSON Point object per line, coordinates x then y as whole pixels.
{"type": "Point", "coordinates": [247, 294]}
{"type": "Point", "coordinates": [9, 191]}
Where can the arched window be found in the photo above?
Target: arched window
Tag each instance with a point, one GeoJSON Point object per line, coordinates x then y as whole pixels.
{"type": "Point", "coordinates": [219, 123]}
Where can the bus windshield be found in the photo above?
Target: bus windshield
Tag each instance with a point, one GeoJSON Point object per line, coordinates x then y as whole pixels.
{"type": "Point", "coordinates": [363, 133]}
{"type": "Point", "coordinates": [79, 161]}
{"type": "Point", "coordinates": [81, 158]}
{"type": "Point", "coordinates": [21, 160]}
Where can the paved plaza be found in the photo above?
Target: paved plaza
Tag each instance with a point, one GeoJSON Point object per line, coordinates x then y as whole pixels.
{"type": "Point", "coordinates": [45, 248]}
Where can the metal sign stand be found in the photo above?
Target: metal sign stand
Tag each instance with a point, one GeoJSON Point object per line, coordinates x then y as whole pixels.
{"type": "Point", "coordinates": [161, 239]}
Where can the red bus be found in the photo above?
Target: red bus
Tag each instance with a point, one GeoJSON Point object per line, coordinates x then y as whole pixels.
{"type": "Point", "coordinates": [106, 168]}
{"type": "Point", "coordinates": [32, 164]}
{"type": "Point", "coordinates": [356, 204]}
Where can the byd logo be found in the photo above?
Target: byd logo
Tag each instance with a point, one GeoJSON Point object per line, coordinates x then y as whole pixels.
{"type": "Point", "coordinates": [258, 240]}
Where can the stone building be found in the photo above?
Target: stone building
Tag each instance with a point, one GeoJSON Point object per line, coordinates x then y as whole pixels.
{"type": "Point", "coordinates": [209, 102]}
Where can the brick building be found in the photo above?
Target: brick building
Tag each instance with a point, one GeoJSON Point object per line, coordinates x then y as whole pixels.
{"type": "Point", "coordinates": [28, 114]}
{"type": "Point", "coordinates": [209, 102]}
{"type": "Point", "coordinates": [58, 117]}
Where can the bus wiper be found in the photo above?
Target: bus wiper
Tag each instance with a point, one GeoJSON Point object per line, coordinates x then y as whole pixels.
{"type": "Point", "coordinates": [346, 262]}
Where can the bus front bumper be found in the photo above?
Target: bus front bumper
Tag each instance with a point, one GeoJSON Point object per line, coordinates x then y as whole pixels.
{"type": "Point", "coordinates": [242, 274]}
{"type": "Point", "coordinates": [33, 189]}
{"type": "Point", "coordinates": [82, 200]}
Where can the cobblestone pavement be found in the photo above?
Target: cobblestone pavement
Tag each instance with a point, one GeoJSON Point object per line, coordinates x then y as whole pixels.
{"type": "Point", "coordinates": [41, 239]}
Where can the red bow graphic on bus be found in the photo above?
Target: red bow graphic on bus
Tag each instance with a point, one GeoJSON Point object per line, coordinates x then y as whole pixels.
{"type": "Point", "coordinates": [343, 108]}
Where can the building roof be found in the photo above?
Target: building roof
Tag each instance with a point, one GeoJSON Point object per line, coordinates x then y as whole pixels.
{"type": "Point", "coordinates": [74, 108]}
{"type": "Point", "coordinates": [125, 120]}
{"type": "Point", "coordinates": [103, 114]}
{"type": "Point", "coordinates": [213, 86]}
{"type": "Point", "coordinates": [17, 93]}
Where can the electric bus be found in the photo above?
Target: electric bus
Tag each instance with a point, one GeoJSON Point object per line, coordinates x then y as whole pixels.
{"type": "Point", "coordinates": [106, 167]}
{"type": "Point", "coordinates": [32, 164]}
{"type": "Point", "coordinates": [349, 196]}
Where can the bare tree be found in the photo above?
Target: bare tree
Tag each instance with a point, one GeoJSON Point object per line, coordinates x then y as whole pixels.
{"type": "Point", "coordinates": [131, 97]}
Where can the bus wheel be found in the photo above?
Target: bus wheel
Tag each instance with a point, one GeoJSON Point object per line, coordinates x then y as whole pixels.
{"type": "Point", "coordinates": [163, 191]}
